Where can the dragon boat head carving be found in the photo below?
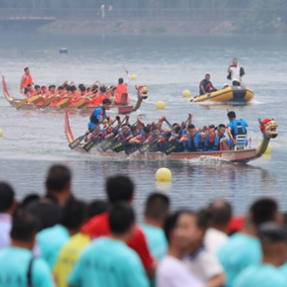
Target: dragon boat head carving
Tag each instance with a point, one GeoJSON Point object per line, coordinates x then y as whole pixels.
{"type": "Point", "coordinates": [268, 128]}
{"type": "Point", "coordinates": [142, 92]}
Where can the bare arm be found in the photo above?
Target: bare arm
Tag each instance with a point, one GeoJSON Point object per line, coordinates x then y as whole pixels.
{"type": "Point", "coordinates": [230, 134]}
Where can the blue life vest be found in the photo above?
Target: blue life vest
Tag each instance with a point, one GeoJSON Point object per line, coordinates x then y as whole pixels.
{"type": "Point", "coordinates": [190, 145]}
{"type": "Point", "coordinates": [238, 127]}
{"type": "Point", "coordinates": [97, 113]}
{"type": "Point", "coordinates": [215, 145]}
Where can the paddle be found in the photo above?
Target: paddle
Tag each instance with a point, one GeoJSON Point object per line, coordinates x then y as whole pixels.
{"type": "Point", "coordinates": [78, 140]}
{"type": "Point", "coordinates": [21, 103]}
{"type": "Point", "coordinates": [47, 102]}
{"type": "Point", "coordinates": [94, 140]}
{"type": "Point", "coordinates": [40, 99]}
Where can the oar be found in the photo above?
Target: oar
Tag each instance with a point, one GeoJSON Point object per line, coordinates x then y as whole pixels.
{"type": "Point", "coordinates": [78, 140]}
{"type": "Point", "coordinates": [47, 102]}
{"type": "Point", "coordinates": [21, 103]}
{"type": "Point", "coordinates": [65, 100]}
{"type": "Point", "coordinates": [30, 100]}
{"type": "Point", "coordinates": [94, 140]}
{"type": "Point", "coordinates": [41, 98]}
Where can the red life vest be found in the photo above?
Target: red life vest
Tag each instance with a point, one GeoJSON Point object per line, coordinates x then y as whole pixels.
{"type": "Point", "coordinates": [28, 80]}
{"type": "Point", "coordinates": [121, 89]}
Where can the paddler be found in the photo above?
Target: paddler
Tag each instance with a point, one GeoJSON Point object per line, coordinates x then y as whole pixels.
{"type": "Point", "coordinates": [30, 91]}
{"type": "Point", "coordinates": [25, 81]}
{"type": "Point", "coordinates": [38, 91]}
{"type": "Point", "coordinates": [205, 86]}
{"type": "Point", "coordinates": [99, 114]}
{"type": "Point", "coordinates": [235, 73]}
{"type": "Point", "coordinates": [188, 138]}
{"type": "Point", "coordinates": [122, 91]}
{"type": "Point", "coordinates": [97, 133]}
{"type": "Point", "coordinates": [217, 140]}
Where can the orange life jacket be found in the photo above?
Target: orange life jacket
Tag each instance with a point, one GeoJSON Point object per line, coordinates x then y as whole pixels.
{"type": "Point", "coordinates": [27, 81]}
{"type": "Point", "coordinates": [121, 89]}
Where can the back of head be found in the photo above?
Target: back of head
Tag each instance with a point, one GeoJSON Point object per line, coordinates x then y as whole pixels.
{"type": "Point", "coordinates": [29, 199]}
{"type": "Point", "coordinates": [74, 214]}
{"type": "Point", "coordinates": [6, 197]}
{"type": "Point", "coordinates": [157, 207]}
{"type": "Point", "coordinates": [263, 210]}
{"type": "Point", "coordinates": [134, 128]}
{"type": "Point", "coordinates": [220, 213]}
{"type": "Point", "coordinates": [24, 227]}
{"type": "Point", "coordinates": [147, 129]}
{"type": "Point", "coordinates": [119, 188]}
{"type": "Point", "coordinates": [121, 218]}
{"type": "Point", "coordinates": [121, 80]}
{"type": "Point", "coordinates": [103, 89]}
{"type": "Point", "coordinates": [191, 126]}
{"type": "Point", "coordinates": [231, 115]}
{"type": "Point", "coordinates": [97, 207]}
{"type": "Point", "coordinates": [25, 69]}
{"type": "Point", "coordinates": [59, 176]}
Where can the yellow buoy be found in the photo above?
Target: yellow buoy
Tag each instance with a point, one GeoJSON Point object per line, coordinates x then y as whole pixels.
{"type": "Point", "coordinates": [1, 133]}
{"type": "Point", "coordinates": [163, 175]}
{"type": "Point", "coordinates": [160, 105]}
{"type": "Point", "coordinates": [186, 94]}
{"type": "Point", "coordinates": [133, 77]}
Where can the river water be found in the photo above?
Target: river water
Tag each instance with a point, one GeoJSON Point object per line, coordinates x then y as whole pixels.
{"type": "Point", "coordinates": [167, 65]}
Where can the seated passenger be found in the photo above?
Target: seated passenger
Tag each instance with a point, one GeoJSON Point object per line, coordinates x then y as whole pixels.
{"type": "Point", "coordinates": [206, 86]}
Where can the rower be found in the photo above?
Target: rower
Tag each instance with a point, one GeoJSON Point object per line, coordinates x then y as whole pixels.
{"type": "Point", "coordinates": [188, 138]}
{"type": "Point", "coordinates": [160, 140]}
{"type": "Point", "coordinates": [26, 80]}
{"type": "Point", "coordinates": [122, 92]}
{"type": "Point", "coordinates": [217, 141]}
{"type": "Point", "coordinates": [99, 114]}
{"type": "Point", "coordinates": [205, 86]}
{"type": "Point", "coordinates": [44, 90]}
{"type": "Point", "coordinates": [97, 134]}
{"type": "Point", "coordinates": [235, 127]}
{"type": "Point", "coordinates": [30, 91]}
{"type": "Point", "coordinates": [124, 133]}
{"type": "Point", "coordinates": [202, 137]}
{"type": "Point", "coordinates": [38, 91]}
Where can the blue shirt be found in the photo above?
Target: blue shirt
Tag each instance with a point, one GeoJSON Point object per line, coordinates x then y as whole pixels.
{"type": "Point", "coordinates": [234, 127]}
{"type": "Point", "coordinates": [239, 252]}
{"type": "Point", "coordinates": [50, 241]}
{"type": "Point", "coordinates": [261, 276]}
{"type": "Point", "coordinates": [99, 112]}
{"type": "Point", "coordinates": [156, 240]}
{"type": "Point", "coordinates": [14, 264]}
{"type": "Point", "coordinates": [108, 262]}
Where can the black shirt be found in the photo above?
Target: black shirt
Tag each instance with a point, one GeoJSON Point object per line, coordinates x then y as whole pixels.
{"type": "Point", "coordinates": [206, 85]}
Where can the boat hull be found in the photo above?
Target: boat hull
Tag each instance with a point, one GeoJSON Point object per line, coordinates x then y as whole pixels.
{"type": "Point", "coordinates": [242, 156]}
{"type": "Point", "coordinates": [228, 94]}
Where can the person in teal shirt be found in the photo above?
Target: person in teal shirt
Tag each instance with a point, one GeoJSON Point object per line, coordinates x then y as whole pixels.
{"type": "Point", "coordinates": [16, 259]}
{"type": "Point", "coordinates": [155, 214]}
{"type": "Point", "coordinates": [108, 261]}
{"type": "Point", "coordinates": [273, 239]}
{"type": "Point", "coordinates": [51, 240]}
{"type": "Point", "coordinates": [243, 249]}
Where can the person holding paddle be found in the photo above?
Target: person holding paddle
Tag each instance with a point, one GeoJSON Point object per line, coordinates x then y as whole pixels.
{"type": "Point", "coordinates": [99, 114]}
{"type": "Point", "coordinates": [25, 81]}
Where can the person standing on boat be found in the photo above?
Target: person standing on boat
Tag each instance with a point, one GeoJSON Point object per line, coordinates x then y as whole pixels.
{"type": "Point", "coordinates": [99, 114]}
{"type": "Point", "coordinates": [235, 73]}
{"type": "Point", "coordinates": [205, 86]}
{"type": "Point", "coordinates": [122, 92]}
{"type": "Point", "coordinates": [25, 81]}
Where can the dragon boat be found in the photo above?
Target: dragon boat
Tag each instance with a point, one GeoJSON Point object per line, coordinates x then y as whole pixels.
{"type": "Point", "coordinates": [121, 109]}
{"type": "Point", "coordinates": [228, 94]}
{"type": "Point", "coordinates": [268, 128]}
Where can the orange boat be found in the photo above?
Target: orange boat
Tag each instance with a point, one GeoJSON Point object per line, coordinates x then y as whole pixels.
{"type": "Point", "coordinates": [267, 126]}
{"type": "Point", "coordinates": [122, 109]}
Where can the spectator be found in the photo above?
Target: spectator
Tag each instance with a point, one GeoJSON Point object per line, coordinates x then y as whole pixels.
{"type": "Point", "coordinates": [7, 207]}
{"type": "Point", "coordinates": [156, 212]}
{"type": "Point", "coordinates": [244, 246]}
{"type": "Point", "coordinates": [52, 239]}
{"type": "Point", "coordinates": [273, 238]}
{"type": "Point", "coordinates": [203, 264]}
{"type": "Point", "coordinates": [172, 270]}
{"type": "Point", "coordinates": [18, 267]}
{"type": "Point", "coordinates": [120, 188]}
{"type": "Point", "coordinates": [71, 251]}
{"type": "Point", "coordinates": [108, 261]}
{"type": "Point", "coordinates": [58, 187]}
{"type": "Point", "coordinates": [220, 213]}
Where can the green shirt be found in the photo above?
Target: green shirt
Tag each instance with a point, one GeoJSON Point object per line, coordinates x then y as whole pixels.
{"type": "Point", "coordinates": [108, 262]}
{"type": "Point", "coordinates": [260, 276]}
{"type": "Point", "coordinates": [14, 264]}
{"type": "Point", "coordinates": [50, 241]}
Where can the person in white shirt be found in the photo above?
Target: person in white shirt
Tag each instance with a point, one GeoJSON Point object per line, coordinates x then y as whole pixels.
{"type": "Point", "coordinates": [220, 213]}
{"type": "Point", "coordinates": [201, 263]}
{"type": "Point", "coordinates": [7, 207]}
{"type": "Point", "coordinates": [235, 73]}
{"type": "Point", "coordinates": [172, 271]}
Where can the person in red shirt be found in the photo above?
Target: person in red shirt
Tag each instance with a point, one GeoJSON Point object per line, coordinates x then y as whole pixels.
{"type": "Point", "coordinates": [26, 80]}
{"type": "Point", "coordinates": [121, 188]}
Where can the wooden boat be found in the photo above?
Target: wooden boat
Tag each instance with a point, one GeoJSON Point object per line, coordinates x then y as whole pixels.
{"type": "Point", "coordinates": [228, 94]}
{"type": "Point", "coordinates": [121, 109]}
{"type": "Point", "coordinates": [268, 128]}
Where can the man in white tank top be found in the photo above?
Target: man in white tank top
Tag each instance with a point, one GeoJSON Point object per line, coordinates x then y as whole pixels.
{"type": "Point", "coordinates": [235, 73]}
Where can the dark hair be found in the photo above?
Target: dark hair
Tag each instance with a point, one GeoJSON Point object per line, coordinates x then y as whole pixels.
{"type": "Point", "coordinates": [25, 69]}
{"type": "Point", "coordinates": [103, 89]}
{"type": "Point", "coordinates": [24, 226]}
{"type": "Point", "coordinates": [106, 102]}
{"type": "Point", "coordinates": [29, 86]}
{"type": "Point", "coordinates": [28, 199]}
{"type": "Point", "coordinates": [74, 214]}
{"type": "Point", "coordinates": [60, 88]}
{"type": "Point", "coordinates": [221, 126]}
{"type": "Point", "coordinates": [73, 88]}
{"type": "Point", "coordinates": [37, 87]}
{"type": "Point", "coordinates": [155, 128]}
{"type": "Point", "coordinates": [146, 129]}
{"type": "Point", "coordinates": [134, 128]}
{"type": "Point", "coordinates": [220, 212]}
{"type": "Point", "coordinates": [43, 87]}
{"type": "Point", "coordinates": [207, 74]}
{"type": "Point", "coordinates": [191, 126]}
{"type": "Point", "coordinates": [119, 188]}
{"type": "Point", "coordinates": [171, 221]}
{"type": "Point", "coordinates": [58, 177]}
{"type": "Point", "coordinates": [121, 217]}
{"type": "Point", "coordinates": [6, 196]}
{"type": "Point", "coordinates": [203, 217]}
{"type": "Point", "coordinates": [52, 86]}
{"type": "Point", "coordinates": [231, 115]}
{"type": "Point", "coordinates": [95, 87]}
{"type": "Point", "coordinates": [96, 207]}
{"type": "Point", "coordinates": [263, 210]}
{"type": "Point", "coordinates": [81, 85]}
{"type": "Point", "coordinates": [125, 125]}
{"type": "Point", "coordinates": [157, 206]}
{"type": "Point", "coordinates": [83, 89]}
{"type": "Point", "coordinates": [121, 80]}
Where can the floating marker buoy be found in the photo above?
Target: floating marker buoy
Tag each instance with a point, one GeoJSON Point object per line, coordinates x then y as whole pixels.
{"type": "Point", "coordinates": [63, 51]}
{"type": "Point", "coordinates": [1, 133]}
{"type": "Point", "coordinates": [163, 175]}
{"type": "Point", "coordinates": [160, 105]}
{"type": "Point", "coordinates": [133, 77]}
{"type": "Point", "coordinates": [186, 94]}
